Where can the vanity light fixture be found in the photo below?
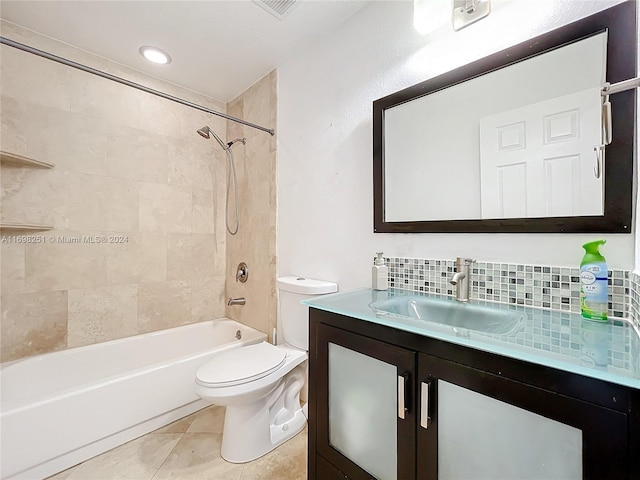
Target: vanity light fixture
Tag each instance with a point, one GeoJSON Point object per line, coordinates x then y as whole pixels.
{"type": "Point", "coordinates": [155, 55]}
{"type": "Point", "coordinates": [429, 15]}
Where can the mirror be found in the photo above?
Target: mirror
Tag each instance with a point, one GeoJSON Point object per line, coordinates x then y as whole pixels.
{"type": "Point", "coordinates": [509, 142]}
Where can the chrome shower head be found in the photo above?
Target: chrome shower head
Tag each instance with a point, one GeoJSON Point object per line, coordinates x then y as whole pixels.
{"type": "Point", "coordinates": [206, 132]}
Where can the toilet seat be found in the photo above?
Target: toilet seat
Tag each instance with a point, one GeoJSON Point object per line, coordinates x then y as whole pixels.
{"type": "Point", "coordinates": [241, 365]}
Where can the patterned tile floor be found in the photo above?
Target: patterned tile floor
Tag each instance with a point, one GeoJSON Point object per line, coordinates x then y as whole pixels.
{"type": "Point", "coordinates": [189, 449]}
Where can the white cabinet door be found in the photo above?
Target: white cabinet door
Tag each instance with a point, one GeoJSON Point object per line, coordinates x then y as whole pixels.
{"type": "Point", "coordinates": [538, 160]}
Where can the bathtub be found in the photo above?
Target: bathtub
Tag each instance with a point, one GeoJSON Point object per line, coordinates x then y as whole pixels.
{"type": "Point", "coordinates": [59, 409]}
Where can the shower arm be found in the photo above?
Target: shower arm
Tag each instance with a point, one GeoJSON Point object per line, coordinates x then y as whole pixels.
{"type": "Point", "coordinates": [224, 146]}
{"type": "Point", "coordinates": [241, 140]}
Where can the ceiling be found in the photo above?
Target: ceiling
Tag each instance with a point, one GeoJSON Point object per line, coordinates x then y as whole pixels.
{"type": "Point", "coordinates": [218, 48]}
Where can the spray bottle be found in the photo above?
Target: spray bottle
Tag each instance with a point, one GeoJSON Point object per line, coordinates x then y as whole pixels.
{"type": "Point", "coordinates": [594, 282]}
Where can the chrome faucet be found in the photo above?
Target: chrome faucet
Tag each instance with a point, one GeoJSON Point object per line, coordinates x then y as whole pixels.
{"type": "Point", "coordinates": [236, 301]}
{"type": "Point", "coordinates": [461, 278]}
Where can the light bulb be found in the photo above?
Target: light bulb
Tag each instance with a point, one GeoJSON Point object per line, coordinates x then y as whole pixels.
{"type": "Point", "coordinates": [155, 55]}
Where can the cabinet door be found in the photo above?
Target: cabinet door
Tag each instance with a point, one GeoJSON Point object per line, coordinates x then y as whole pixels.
{"type": "Point", "coordinates": [366, 417]}
{"type": "Point", "coordinates": [478, 425]}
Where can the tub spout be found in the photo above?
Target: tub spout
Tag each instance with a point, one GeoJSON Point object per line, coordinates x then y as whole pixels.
{"type": "Point", "coordinates": [236, 301]}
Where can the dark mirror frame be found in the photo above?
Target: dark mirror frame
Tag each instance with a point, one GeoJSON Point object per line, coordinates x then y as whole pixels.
{"type": "Point", "coordinates": [620, 21]}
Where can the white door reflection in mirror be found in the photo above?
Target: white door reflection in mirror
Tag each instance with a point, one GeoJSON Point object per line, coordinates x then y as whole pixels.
{"type": "Point", "coordinates": [538, 160]}
{"type": "Point", "coordinates": [431, 143]}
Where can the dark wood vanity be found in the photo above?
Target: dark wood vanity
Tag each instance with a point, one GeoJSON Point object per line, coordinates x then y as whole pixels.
{"type": "Point", "coordinates": [604, 415]}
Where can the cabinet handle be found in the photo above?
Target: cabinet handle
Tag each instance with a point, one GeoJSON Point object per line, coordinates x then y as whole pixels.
{"type": "Point", "coordinates": [402, 395]}
{"type": "Point", "coordinates": [425, 419]}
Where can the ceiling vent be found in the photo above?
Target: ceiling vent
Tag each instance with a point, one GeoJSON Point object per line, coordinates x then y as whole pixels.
{"type": "Point", "coordinates": [278, 8]}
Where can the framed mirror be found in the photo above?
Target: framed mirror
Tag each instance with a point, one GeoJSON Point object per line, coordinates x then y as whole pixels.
{"type": "Point", "coordinates": [511, 143]}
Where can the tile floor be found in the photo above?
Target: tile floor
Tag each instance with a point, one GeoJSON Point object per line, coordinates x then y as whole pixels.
{"type": "Point", "coordinates": [189, 449]}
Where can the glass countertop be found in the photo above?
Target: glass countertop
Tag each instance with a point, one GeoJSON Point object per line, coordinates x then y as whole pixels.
{"type": "Point", "coordinates": [607, 351]}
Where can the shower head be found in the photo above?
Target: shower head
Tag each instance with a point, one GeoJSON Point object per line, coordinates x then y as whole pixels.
{"type": "Point", "coordinates": [206, 132]}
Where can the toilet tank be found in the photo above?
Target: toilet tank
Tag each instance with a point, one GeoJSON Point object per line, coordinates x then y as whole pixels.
{"type": "Point", "coordinates": [294, 316]}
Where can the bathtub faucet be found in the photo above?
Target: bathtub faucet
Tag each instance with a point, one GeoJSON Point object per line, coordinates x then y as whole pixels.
{"type": "Point", "coordinates": [236, 301]}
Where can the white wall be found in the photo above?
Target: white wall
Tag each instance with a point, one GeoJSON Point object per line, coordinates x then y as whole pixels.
{"type": "Point", "coordinates": [325, 207]}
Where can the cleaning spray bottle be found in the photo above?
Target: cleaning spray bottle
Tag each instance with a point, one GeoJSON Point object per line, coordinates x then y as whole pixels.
{"type": "Point", "coordinates": [594, 282]}
{"type": "Point", "coordinates": [379, 273]}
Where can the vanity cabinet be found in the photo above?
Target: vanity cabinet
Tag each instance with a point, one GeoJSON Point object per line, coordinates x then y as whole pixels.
{"type": "Point", "coordinates": [364, 405]}
{"type": "Point", "coordinates": [391, 404]}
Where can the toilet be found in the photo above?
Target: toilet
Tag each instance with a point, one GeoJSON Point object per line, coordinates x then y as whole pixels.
{"type": "Point", "coordinates": [260, 384]}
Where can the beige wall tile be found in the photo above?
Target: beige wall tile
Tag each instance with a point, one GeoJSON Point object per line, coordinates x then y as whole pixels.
{"type": "Point", "coordinates": [163, 305]}
{"type": "Point", "coordinates": [208, 298]}
{"type": "Point", "coordinates": [22, 79]}
{"type": "Point", "coordinates": [13, 137]}
{"type": "Point", "coordinates": [43, 131]}
{"type": "Point", "coordinates": [65, 263]}
{"type": "Point", "coordinates": [102, 203]}
{"type": "Point", "coordinates": [259, 101]}
{"type": "Point", "coordinates": [137, 258]}
{"type": "Point", "coordinates": [101, 314]}
{"type": "Point", "coordinates": [191, 256]}
{"type": "Point", "coordinates": [33, 323]}
{"type": "Point", "coordinates": [126, 163]}
{"type": "Point", "coordinates": [203, 216]}
{"type": "Point", "coordinates": [83, 146]}
{"type": "Point", "coordinates": [191, 162]}
{"type": "Point", "coordinates": [138, 155]}
{"type": "Point", "coordinates": [165, 208]}
{"type": "Point", "coordinates": [34, 196]}
{"type": "Point", "coordinates": [255, 241]}
{"type": "Point", "coordinates": [12, 264]}
{"type": "Point", "coordinates": [164, 117]}
{"type": "Point", "coordinates": [109, 101]}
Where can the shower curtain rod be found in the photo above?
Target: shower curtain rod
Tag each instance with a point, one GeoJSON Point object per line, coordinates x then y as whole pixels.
{"type": "Point", "coordinates": [108, 76]}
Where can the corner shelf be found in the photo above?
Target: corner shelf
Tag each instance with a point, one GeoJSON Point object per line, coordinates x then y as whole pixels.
{"type": "Point", "coordinates": [7, 158]}
{"type": "Point", "coordinates": [23, 226]}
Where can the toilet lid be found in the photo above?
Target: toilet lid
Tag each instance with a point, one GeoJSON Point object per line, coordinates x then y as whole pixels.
{"type": "Point", "coordinates": [241, 365]}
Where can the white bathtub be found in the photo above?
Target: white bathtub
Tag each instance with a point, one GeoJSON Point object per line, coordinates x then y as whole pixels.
{"type": "Point", "coordinates": [59, 409]}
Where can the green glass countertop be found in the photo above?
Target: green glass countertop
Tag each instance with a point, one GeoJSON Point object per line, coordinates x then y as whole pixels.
{"type": "Point", "coordinates": [607, 351]}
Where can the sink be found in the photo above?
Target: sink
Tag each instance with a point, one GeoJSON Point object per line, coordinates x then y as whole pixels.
{"type": "Point", "coordinates": [458, 315]}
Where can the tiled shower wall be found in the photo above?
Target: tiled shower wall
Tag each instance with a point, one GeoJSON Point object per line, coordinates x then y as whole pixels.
{"type": "Point", "coordinates": [128, 166]}
{"type": "Point", "coordinates": [556, 288]}
{"type": "Point", "coordinates": [255, 242]}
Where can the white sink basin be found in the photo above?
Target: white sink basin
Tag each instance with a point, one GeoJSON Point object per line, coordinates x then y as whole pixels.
{"type": "Point", "coordinates": [480, 318]}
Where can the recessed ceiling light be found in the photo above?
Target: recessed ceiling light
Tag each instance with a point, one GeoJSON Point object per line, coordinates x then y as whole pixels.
{"type": "Point", "coordinates": [155, 55]}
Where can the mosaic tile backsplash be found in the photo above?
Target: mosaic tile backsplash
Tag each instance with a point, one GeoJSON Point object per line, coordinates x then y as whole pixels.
{"type": "Point", "coordinates": [556, 288]}
{"type": "Point", "coordinates": [546, 287]}
{"type": "Point", "coordinates": [634, 298]}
